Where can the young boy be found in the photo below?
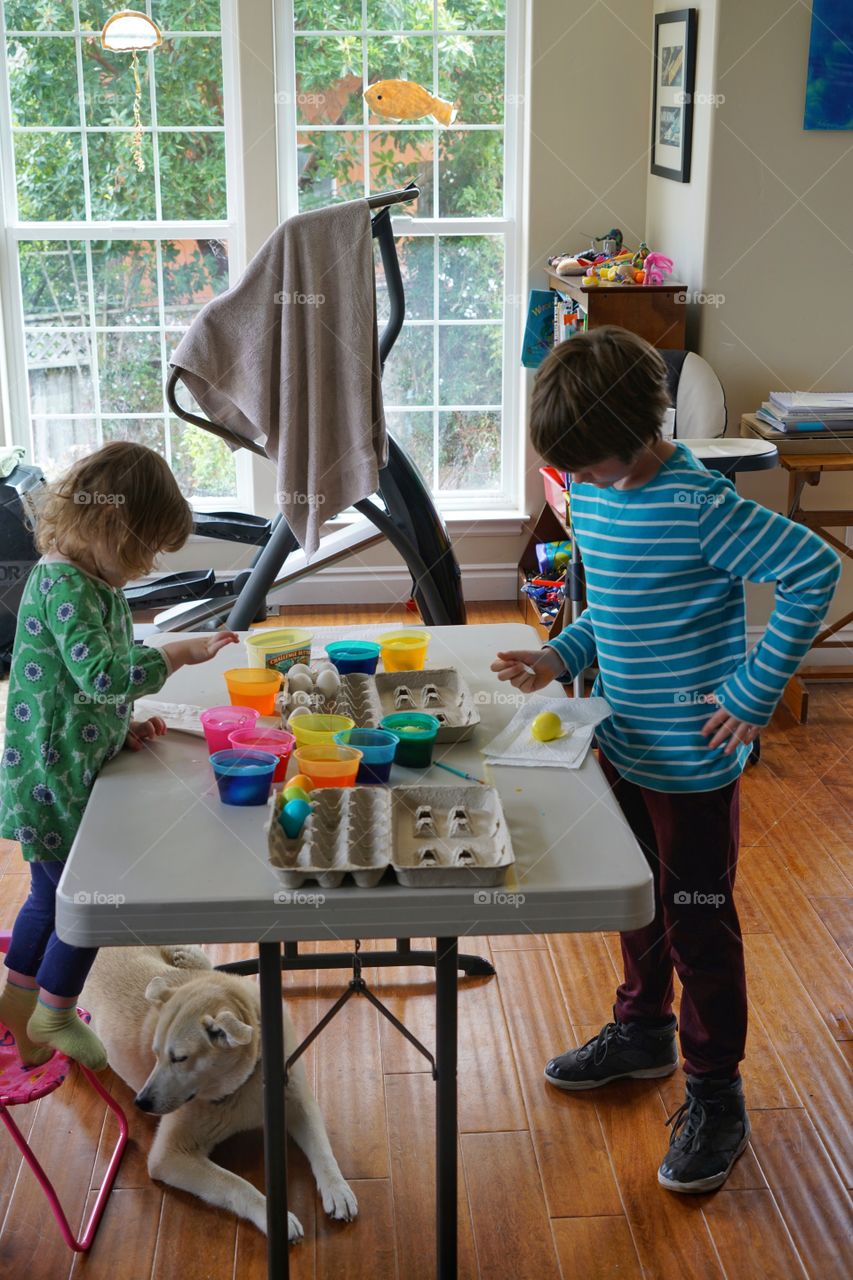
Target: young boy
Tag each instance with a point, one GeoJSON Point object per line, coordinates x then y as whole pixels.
{"type": "Point", "coordinates": [667, 547]}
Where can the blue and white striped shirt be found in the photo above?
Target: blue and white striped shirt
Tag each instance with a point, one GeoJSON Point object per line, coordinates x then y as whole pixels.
{"type": "Point", "coordinates": [666, 616]}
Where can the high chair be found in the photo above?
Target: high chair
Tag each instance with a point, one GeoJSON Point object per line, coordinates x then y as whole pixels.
{"type": "Point", "coordinates": [20, 1085]}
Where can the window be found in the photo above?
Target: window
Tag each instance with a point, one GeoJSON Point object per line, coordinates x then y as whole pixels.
{"type": "Point", "coordinates": [453, 372]}
{"type": "Point", "coordinates": [106, 261]}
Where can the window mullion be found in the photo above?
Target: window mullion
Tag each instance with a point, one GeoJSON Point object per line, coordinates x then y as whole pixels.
{"type": "Point", "coordinates": [81, 104]}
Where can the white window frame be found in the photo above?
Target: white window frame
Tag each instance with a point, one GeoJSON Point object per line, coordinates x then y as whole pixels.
{"type": "Point", "coordinates": [470, 503]}
{"type": "Point", "coordinates": [16, 389]}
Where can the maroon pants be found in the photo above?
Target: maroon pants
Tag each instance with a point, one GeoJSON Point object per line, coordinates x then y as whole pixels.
{"type": "Point", "coordinates": [690, 840]}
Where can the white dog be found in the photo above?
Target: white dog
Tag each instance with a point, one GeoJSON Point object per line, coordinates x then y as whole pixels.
{"type": "Point", "coordinates": [187, 1039]}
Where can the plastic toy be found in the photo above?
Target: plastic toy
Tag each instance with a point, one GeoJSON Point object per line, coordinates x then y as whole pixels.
{"type": "Point", "coordinates": [657, 266]}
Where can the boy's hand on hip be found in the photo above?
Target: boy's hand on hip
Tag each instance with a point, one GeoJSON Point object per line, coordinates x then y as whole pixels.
{"type": "Point", "coordinates": [723, 727]}
{"type": "Point", "coordinates": [529, 669]}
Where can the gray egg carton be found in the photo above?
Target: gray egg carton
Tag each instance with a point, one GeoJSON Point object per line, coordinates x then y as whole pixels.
{"type": "Point", "coordinates": [431, 837]}
{"type": "Point", "coordinates": [449, 836]}
{"type": "Point", "coordinates": [441, 693]}
{"type": "Point", "coordinates": [356, 698]}
{"type": "Point", "coordinates": [348, 833]}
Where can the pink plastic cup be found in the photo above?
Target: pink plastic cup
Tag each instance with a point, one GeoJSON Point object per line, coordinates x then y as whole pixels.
{"type": "Point", "coordinates": [220, 722]}
{"type": "Point", "coordinates": [275, 741]}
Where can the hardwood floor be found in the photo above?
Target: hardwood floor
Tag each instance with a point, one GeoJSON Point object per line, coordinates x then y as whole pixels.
{"type": "Point", "coordinates": [551, 1185]}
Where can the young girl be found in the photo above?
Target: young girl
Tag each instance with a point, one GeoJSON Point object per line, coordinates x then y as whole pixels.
{"type": "Point", "coordinates": [75, 673]}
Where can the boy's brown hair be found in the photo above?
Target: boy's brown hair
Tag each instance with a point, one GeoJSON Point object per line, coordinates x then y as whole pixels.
{"type": "Point", "coordinates": [601, 394]}
{"type": "Point", "coordinates": [123, 497]}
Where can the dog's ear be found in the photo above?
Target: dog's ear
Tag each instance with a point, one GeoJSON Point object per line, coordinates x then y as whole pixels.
{"type": "Point", "coordinates": [226, 1029]}
{"type": "Point", "coordinates": [159, 990]}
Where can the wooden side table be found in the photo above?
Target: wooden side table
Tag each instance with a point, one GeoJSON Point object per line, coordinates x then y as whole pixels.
{"type": "Point", "coordinates": [803, 469]}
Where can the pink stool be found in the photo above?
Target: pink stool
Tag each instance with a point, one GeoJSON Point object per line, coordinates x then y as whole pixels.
{"type": "Point", "coordinates": [20, 1085]}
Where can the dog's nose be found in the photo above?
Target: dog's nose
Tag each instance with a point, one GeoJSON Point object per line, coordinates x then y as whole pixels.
{"type": "Point", "coordinates": [144, 1103]}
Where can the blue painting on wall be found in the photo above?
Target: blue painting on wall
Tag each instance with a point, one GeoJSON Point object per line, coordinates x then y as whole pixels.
{"type": "Point", "coordinates": [829, 89]}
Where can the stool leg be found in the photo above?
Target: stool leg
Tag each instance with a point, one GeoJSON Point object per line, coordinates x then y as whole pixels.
{"type": "Point", "coordinates": [85, 1241]}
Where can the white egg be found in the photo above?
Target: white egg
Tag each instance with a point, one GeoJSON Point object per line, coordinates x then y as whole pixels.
{"type": "Point", "coordinates": [299, 683]}
{"type": "Point", "coordinates": [298, 711]}
{"type": "Point", "coordinates": [301, 699]}
{"type": "Point", "coordinates": [300, 669]}
{"type": "Point", "coordinates": [328, 683]}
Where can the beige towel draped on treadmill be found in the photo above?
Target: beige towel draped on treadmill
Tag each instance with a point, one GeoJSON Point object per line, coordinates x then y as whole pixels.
{"type": "Point", "coordinates": [290, 358]}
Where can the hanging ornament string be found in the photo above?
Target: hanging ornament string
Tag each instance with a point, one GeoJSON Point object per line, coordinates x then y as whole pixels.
{"type": "Point", "coordinates": [138, 158]}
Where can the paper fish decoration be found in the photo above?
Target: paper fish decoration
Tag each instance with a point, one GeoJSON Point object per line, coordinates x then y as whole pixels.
{"type": "Point", "coordinates": [405, 100]}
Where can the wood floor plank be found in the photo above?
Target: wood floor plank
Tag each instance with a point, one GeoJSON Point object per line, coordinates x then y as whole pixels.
{"type": "Point", "coordinates": [574, 1164]}
{"type": "Point", "coordinates": [365, 1249]}
{"type": "Point", "coordinates": [244, 1154]}
{"type": "Point", "coordinates": [124, 1247]}
{"type": "Point", "coordinates": [751, 1236]}
{"type": "Point", "coordinates": [195, 1240]}
{"type": "Point", "coordinates": [517, 942]}
{"type": "Point", "coordinates": [807, 1050]}
{"type": "Point", "coordinates": [353, 1102]}
{"type": "Point", "coordinates": [133, 1170]}
{"type": "Point", "coordinates": [586, 975]}
{"type": "Point", "coordinates": [837, 915]}
{"type": "Point", "coordinates": [806, 941]}
{"type": "Point", "coordinates": [812, 1199]}
{"type": "Point", "coordinates": [596, 1246]}
{"type": "Point", "coordinates": [511, 1224]}
{"type": "Point", "coordinates": [410, 1101]}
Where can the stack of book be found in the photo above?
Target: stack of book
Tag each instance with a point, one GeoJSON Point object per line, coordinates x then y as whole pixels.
{"type": "Point", "coordinates": [827, 413]}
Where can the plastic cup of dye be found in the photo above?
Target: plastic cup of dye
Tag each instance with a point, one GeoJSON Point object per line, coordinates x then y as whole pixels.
{"type": "Point", "coordinates": [313, 730]}
{"type": "Point", "coordinates": [276, 741]}
{"type": "Point", "coordinates": [377, 747]}
{"type": "Point", "coordinates": [243, 777]}
{"type": "Point", "coordinates": [219, 723]}
{"type": "Point", "coordinates": [254, 687]}
{"type": "Point", "coordinates": [404, 650]}
{"type": "Point", "coordinates": [278, 648]}
{"type": "Point", "coordinates": [416, 731]}
{"type": "Point", "coordinates": [354, 657]}
{"type": "Point", "coordinates": [328, 764]}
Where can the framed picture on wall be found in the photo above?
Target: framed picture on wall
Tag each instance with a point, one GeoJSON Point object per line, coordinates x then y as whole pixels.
{"type": "Point", "coordinates": [672, 97]}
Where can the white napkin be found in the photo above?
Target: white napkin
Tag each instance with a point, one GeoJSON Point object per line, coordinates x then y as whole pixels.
{"type": "Point", "coordinates": [176, 715]}
{"type": "Point", "coordinates": [579, 716]}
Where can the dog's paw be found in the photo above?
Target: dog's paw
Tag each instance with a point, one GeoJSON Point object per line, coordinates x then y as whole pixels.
{"type": "Point", "coordinates": [294, 1228]}
{"type": "Point", "coordinates": [339, 1201]}
{"type": "Point", "coordinates": [189, 958]}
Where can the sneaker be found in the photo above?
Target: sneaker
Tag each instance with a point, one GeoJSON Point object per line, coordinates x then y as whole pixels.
{"type": "Point", "coordinates": [709, 1131]}
{"type": "Point", "coordinates": [621, 1050]}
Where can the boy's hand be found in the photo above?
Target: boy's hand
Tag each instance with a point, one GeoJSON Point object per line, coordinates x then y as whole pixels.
{"type": "Point", "coordinates": [529, 669]}
{"type": "Point", "coordinates": [724, 727]}
{"type": "Point", "coordinates": [140, 730]}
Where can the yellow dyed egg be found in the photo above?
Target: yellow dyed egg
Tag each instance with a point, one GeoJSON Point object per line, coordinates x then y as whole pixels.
{"type": "Point", "coordinates": [300, 780]}
{"type": "Point", "coordinates": [546, 726]}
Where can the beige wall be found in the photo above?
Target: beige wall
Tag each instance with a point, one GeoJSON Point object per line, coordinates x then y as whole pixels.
{"type": "Point", "coordinates": [778, 245]}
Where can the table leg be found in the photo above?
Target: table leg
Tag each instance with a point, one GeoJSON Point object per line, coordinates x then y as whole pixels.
{"type": "Point", "coordinates": [275, 1131]}
{"type": "Point", "coordinates": [446, 964]}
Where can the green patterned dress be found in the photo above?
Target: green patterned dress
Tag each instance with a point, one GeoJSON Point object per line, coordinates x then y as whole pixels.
{"type": "Point", "coordinates": [75, 673]}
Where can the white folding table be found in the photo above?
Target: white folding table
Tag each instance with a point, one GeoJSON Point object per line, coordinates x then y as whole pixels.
{"type": "Point", "coordinates": [158, 859]}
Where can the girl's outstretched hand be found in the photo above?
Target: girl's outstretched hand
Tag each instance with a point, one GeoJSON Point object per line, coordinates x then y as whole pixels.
{"type": "Point", "coordinates": [140, 730]}
{"type": "Point", "coordinates": [529, 669]}
{"type": "Point", "coordinates": [190, 652]}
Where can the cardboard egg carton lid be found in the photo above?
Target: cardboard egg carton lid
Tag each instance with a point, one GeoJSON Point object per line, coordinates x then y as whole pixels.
{"type": "Point", "coordinates": [441, 692]}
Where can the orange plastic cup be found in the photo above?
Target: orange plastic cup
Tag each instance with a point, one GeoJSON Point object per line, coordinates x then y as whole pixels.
{"type": "Point", "coordinates": [254, 687]}
{"type": "Point", "coordinates": [329, 765]}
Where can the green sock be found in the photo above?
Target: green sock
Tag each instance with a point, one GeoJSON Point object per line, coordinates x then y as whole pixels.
{"type": "Point", "coordinates": [16, 1009]}
{"type": "Point", "coordinates": [62, 1029]}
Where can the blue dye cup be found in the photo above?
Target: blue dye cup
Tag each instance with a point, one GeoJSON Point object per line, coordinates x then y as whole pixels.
{"type": "Point", "coordinates": [354, 657]}
{"type": "Point", "coordinates": [244, 777]}
{"type": "Point", "coordinates": [377, 747]}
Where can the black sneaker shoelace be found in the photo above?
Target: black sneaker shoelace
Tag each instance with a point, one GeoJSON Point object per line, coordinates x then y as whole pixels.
{"type": "Point", "coordinates": [597, 1047]}
{"type": "Point", "coordinates": [688, 1123]}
